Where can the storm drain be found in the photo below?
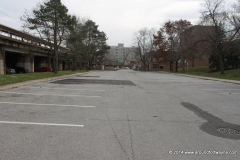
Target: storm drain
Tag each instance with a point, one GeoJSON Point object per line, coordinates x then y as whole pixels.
{"type": "Point", "coordinates": [94, 81]}
{"type": "Point", "coordinates": [214, 125]}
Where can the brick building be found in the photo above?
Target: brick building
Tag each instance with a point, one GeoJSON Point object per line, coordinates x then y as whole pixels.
{"type": "Point", "coordinates": [196, 55]}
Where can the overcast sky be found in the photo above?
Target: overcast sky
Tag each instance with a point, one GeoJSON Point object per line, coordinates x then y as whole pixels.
{"type": "Point", "coordinates": [119, 19]}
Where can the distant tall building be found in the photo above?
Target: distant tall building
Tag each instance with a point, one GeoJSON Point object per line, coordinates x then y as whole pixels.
{"type": "Point", "coordinates": [120, 52]}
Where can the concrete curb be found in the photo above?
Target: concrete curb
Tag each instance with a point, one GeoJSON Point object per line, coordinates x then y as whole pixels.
{"type": "Point", "coordinates": [21, 84]}
{"type": "Point", "coordinates": [205, 78]}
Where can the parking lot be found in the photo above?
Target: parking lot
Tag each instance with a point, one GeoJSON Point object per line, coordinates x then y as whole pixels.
{"type": "Point", "coordinates": [118, 115]}
{"type": "Point", "coordinates": [57, 120]}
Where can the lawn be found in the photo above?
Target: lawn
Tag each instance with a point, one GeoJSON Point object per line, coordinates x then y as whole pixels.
{"type": "Point", "coordinates": [204, 71]}
{"type": "Point", "coordinates": [15, 78]}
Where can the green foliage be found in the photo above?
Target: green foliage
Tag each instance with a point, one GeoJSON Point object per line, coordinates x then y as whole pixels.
{"type": "Point", "coordinates": [51, 22]}
{"type": "Point", "coordinates": [87, 43]}
{"type": "Point", "coordinates": [50, 18]}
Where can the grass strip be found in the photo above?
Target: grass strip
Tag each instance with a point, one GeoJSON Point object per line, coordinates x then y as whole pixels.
{"type": "Point", "coordinates": [16, 78]}
{"type": "Point", "coordinates": [205, 72]}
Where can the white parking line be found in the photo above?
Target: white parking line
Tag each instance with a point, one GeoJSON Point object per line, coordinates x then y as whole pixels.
{"type": "Point", "coordinates": [52, 95]}
{"type": "Point", "coordinates": [38, 104]}
{"type": "Point", "coordinates": [218, 89]}
{"type": "Point", "coordinates": [42, 124]}
{"type": "Point", "coordinates": [70, 89]}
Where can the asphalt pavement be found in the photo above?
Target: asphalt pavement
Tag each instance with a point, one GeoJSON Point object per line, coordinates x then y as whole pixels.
{"type": "Point", "coordinates": [121, 115]}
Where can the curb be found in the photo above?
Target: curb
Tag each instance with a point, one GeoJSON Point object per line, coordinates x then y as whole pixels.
{"type": "Point", "coordinates": [31, 82]}
{"type": "Point", "coordinates": [205, 78]}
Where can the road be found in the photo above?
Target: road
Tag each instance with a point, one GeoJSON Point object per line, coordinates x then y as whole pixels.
{"type": "Point", "coordinates": [121, 115]}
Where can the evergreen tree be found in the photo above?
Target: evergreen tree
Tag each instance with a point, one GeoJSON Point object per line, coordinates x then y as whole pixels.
{"type": "Point", "coordinates": [51, 21]}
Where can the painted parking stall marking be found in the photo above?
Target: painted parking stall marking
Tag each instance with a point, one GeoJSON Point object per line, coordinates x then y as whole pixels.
{"type": "Point", "coordinates": [41, 124]}
{"type": "Point", "coordinates": [51, 95]}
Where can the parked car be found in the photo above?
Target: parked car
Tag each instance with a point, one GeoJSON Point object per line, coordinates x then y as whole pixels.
{"type": "Point", "coordinates": [43, 69]}
{"type": "Point", "coordinates": [10, 70]}
{"type": "Point", "coordinates": [20, 70]}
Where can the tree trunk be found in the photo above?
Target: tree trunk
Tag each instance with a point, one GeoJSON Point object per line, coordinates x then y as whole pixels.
{"type": "Point", "coordinates": [90, 65]}
{"type": "Point", "coordinates": [171, 66]}
{"type": "Point", "coordinates": [193, 64]}
{"type": "Point", "coordinates": [145, 67]}
{"type": "Point", "coordinates": [80, 64]}
{"type": "Point", "coordinates": [183, 65]}
{"type": "Point", "coordinates": [74, 65]}
{"type": "Point", "coordinates": [55, 61]}
{"type": "Point", "coordinates": [176, 66]}
{"type": "Point", "coordinates": [220, 61]}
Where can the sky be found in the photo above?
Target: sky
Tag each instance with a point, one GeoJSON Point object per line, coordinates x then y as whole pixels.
{"type": "Point", "coordinates": [119, 19]}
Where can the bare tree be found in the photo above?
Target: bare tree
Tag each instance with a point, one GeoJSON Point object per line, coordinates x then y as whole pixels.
{"type": "Point", "coordinates": [226, 27]}
{"type": "Point", "coordinates": [145, 47]}
{"type": "Point", "coordinates": [192, 44]}
{"type": "Point", "coordinates": [234, 18]}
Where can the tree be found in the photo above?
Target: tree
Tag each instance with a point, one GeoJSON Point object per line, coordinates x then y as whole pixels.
{"type": "Point", "coordinates": [95, 43]}
{"type": "Point", "coordinates": [234, 19]}
{"type": "Point", "coordinates": [180, 27]}
{"type": "Point", "coordinates": [168, 41]}
{"type": "Point", "coordinates": [145, 47]}
{"type": "Point", "coordinates": [225, 26]}
{"type": "Point", "coordinates": [161, 47]}
{"type": "Point", "coordinates": [51, 22]}
{"type": "Point", "coordinates": [87, 44]}
{"type": "Point", "coordinates": [191, 43]}
{"type": "Point", "coordinates": [75, 42]}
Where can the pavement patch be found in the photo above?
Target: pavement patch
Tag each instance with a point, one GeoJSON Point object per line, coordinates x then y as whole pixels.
{"type": "Point", "coordinates": [94, 81]}
{"type": "Point", "coordinates": [66, 89]}
{"type": "Point", "coordinates": [215, 126]}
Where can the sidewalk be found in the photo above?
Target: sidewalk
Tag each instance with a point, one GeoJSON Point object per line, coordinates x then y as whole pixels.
{"type": "Point", "coordinates": [206, 78]}
{"type": "Point", "coordinates": [16, 85]}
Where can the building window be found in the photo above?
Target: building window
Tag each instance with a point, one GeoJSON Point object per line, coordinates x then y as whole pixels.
{"type": "Point", "coordinates": [155, 66]}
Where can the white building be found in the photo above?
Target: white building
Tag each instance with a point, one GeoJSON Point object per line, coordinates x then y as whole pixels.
{"type": "Point", "coordinates": [122, 53]}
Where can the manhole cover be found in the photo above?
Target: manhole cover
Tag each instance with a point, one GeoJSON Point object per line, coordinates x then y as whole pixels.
{"type": "Point", "coordinates": [229, 131]}
{"type": "Point", "coordinates": [215, 125]}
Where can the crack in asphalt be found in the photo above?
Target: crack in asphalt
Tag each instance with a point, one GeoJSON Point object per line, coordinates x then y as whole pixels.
{"type": "Point", "coordinates": [114, 133]}
{"type": "Point", "coordinates": [131, 136]}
